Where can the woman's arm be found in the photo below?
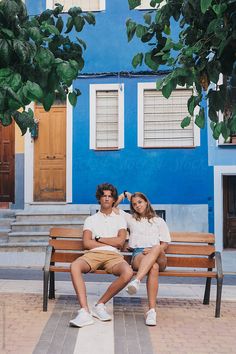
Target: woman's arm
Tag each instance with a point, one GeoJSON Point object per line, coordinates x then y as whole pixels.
{"type": "Point", "coordinates": [121, 197]}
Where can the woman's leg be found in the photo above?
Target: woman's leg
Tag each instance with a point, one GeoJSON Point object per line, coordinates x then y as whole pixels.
{"type": "Point", "coordinates": [143, 263]}
{"type": "Point", "coordinates": [152, 285]}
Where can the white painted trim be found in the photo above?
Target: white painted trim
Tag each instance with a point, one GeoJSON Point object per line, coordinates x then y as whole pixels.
{"type": "Point", "coordinates": [102, 5]}
{"type": "Point", "coordinates": [145, 5]}
{"type": "Point", "coordinates": [92, 92]}
{"type": "Point", "coordinates": [152, 86]}
{"type": "Point", "coordinates": [69, 155]}
{"type": "Point", "coordinates": [29, 159]}
{"type": "Point", "coordinates": [219, 172]}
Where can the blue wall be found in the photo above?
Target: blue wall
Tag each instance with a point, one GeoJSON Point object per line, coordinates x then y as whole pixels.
{"type": "Point", "coordinates": [167, 176]}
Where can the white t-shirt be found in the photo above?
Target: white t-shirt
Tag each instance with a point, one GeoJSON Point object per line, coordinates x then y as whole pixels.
{"type": "Point", "coordinates": [105, 226]}
{"type": "Point", "coordinates": [146, 233]}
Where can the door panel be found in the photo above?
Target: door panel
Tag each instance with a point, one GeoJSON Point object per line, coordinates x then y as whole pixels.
{"type": "Point", "coordinates": [229, 188]}
{"type": "Point", "coordinates": [50, 155]}
{"type": "Point", "coordinates": [7, 163]}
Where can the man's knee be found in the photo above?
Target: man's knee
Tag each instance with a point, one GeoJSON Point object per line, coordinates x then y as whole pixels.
{"type": "Point", "coordinates": [126, 272]}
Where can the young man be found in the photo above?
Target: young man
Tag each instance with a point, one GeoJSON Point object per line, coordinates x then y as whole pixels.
{"type": "Point", "coordinates": [104, 234]}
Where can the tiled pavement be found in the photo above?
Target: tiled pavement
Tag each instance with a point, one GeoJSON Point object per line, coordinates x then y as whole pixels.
{"type": "Point", "coordinates": [184, 324]}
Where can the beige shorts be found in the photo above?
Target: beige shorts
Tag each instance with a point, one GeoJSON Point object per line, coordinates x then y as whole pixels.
{"type": "Point", "coordinates": [104, 260]}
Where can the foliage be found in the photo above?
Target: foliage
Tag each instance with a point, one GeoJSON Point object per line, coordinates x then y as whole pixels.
{"type": "Point", "coordinates": [38, 60]}
{"type": "Point", "coordinates": [205, 48]}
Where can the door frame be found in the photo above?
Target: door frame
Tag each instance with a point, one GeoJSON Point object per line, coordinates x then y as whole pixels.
{"type": "Point", "coordinates": [29, 161]}
{"type": "Point", "coordinates": [219, 172]}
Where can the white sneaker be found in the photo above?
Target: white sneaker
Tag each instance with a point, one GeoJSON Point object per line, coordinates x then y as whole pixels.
{"type": "Point", "coordinates": [133, 287]}
{"type": "Point", "coordinates": [84, 318]}
{"type": "Point", "coordinates": [151, 318]}
{"type": "Point", "coordinates": [99, 311]}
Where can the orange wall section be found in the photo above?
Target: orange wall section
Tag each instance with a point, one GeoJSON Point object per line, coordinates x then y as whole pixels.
{"type": "Point", "coordinates": [19, 141]}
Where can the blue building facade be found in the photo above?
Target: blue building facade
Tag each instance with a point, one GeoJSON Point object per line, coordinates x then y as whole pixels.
{"type": "Point", "coordinates": [127, 148]}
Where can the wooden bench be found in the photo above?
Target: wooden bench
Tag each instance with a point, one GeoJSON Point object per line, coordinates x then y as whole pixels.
{"type": "Point", "coordinates": [190, 254]}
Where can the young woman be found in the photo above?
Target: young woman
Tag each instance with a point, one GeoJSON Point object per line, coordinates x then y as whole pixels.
{"type": "Point", "coordinates": [149, 237]}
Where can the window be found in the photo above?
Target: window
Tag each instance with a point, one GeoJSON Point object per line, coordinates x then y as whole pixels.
{"type": "Point", "coordinates": [107, 116]}
{"type": "Point", "coordinates": [145, 5]}
{"type": "Point", "coordinates": [159, 119]}
{"type": "Point", "coordinates": [86, 5]}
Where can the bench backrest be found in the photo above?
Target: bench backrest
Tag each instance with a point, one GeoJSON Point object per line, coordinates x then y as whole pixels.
{"type": "Point", "coordinates": [187, 249]}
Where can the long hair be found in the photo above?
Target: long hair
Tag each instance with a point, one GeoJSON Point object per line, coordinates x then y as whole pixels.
{"type": "Point", "coordinates": [149, 212]}
{"type": "Point", "coordinates": [106, 187]}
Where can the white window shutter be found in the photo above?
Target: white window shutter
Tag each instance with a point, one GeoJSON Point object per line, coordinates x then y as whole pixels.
{"type": "Point", "coordinates": [86, 5]}
{"type": "Point", "coordinates": [162, 118]}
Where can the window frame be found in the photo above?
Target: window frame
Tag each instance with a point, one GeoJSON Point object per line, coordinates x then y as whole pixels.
{"type": "Point", "coordinates": [102, 6]}
{"type": "Point", "coordinates": [148, 7]}
{"type": "Point", "coordinates": [140, 98]}
{"type": "Point", "coordinates": [106, 87]}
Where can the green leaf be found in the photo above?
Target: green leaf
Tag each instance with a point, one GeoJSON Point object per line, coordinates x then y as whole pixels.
{"type": "Point", "coordinates": [72, 98]}
{"type": "Point", "coordinates": [50, 28]}
{"type": "Point", "coordinates": [34, 91]}
{"type": "Point", "coordinates": [185, 122]}
{"type": "Point", "coordinates": [134, 3]}
{"type": "Point", "coordinates": [8, 33]}
{"type": "Point", "coordinates": [167, 30]}
{"type": "Point", "coordinates": [44, 58]}
{"type": "Point", "coordinates": [217, 130]}
{"type": "Point", "coordinates": [48, 100]}
{"type": "Point", "coordinates": [137, 60]}
{"type": "Point", "coordinates": [4, 52]}
{"type": "Point", "coordinates": [159, 84]}
{"type": "Point", "coordinates": [74, 11]}
{"type": "Point", "coordinates": [168, 88]}
{"type": "Point", "coordinates": [79, 23]}
{"type": "Point", "coordinates": [191, 105]}
{"type": "Point", "coordinates": [6, 119]}
{"type": "Point", "coordinates": [59, 24]}
{"type": "Point", "coordinates": [35, 33]}
{"type": "Point", "coordinates": [147, 18]}
{"type": "Point", "coordinates": [69, 24]}
{"type": "Point", "coordinates": [205, 4]}
{"type": "Point", "coordinates": [67, 73]}
{"type": "Point", "coordinates": [149, 62]}
{"type": "Point", "coordinates": [130, 29]}
{"type": "Point", "coordinates": [213, 114]}
{"type": "Point", "coordinates": [200, 119]}
{"type": "Point", "coordinates": [81, 42]}
{"type": "Point", "coordinates": [90, 18]}
{"type": "Point", "coordinates": [140, 31]}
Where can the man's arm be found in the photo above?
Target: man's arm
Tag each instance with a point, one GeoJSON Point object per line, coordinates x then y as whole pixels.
{"type": "Point", "coordinates": [116, 241]}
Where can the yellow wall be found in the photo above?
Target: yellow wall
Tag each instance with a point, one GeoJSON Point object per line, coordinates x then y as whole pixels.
{"type": "Point", "coordinates": [19, 141]}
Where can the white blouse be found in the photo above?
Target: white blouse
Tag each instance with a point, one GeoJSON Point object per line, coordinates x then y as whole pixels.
{"type": "Point", "coordinates": [146, 233]}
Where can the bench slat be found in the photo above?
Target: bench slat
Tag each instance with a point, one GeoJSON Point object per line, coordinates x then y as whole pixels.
{"type": "Point", "coordinates": [179, 273]}
{"type": "Point", "coordinates": [66, 244]}
{"type": "Point", "coordinates": [196, 237]}
{"type": "Point", "coordinates": [205, 250]}
{"type": "Point", "coordinates": [66, 232]}
{"type": "Point", "coordinates": [192, 262]}
{"type": "Point", "coordinates": [65, 257]}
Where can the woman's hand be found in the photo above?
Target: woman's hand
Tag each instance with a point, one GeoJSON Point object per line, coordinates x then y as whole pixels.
{"type": "Point", "coordinates": [116, 210]}
{"type": "Point", "coordinates": [128, 195]}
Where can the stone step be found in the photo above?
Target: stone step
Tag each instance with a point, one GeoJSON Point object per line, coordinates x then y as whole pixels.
{"type": "Point", "coordinates": [27, 237]}
{"type": "Point", "coordinates": [44, 225]}
{"type": "Point", "coordinates": [34, 217]}
{"type": "Point", "coordinates": [6, 222]}
{"type": "Point", "coordinates": [24, 254]}
{"type": "Point", "coordinates": [7, 213]}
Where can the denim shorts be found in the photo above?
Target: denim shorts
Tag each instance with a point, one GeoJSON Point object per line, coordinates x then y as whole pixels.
{"type": "Point", "coordinates": [136, 251]}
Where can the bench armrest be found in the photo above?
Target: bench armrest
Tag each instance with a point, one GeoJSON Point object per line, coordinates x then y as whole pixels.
{"type": "Point", "coordinates": [47, 258]}
{"type": "Point", "coordinates": [219, 268]}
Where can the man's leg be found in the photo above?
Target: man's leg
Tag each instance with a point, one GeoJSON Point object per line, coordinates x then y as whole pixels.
{"type": "Point", "coordinates": [78, 267]}
{"type": "Point", "coordinates": [124, 273]}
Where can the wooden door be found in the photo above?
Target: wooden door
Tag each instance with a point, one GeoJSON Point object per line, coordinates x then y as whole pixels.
{"type": "Point", "coordinates": [229, 201]}
{"type": "Point", "coordinates": [50, 155]}
{"type": "Point", "coordinates": [7, 163]}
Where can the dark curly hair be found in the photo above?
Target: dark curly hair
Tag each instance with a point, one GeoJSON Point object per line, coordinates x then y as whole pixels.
{"type": "Point", "coordinates": [106, 187]}
{"type": "Point", "coordinates": [149, 212]}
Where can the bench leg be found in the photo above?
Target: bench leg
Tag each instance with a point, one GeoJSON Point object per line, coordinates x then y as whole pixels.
{"type": "Point", "coordinates": [218, 296]}
{"type": "Point", "coordinates": [52, 285]}
{"type": "Point", "coordinates": [206, 299]}
{"type": "Point", "coordinates": [45, 290]}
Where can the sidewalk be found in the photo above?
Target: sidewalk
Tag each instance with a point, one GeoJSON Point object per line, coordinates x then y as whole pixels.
{"type": "Point", "coordinates": [184, 324]}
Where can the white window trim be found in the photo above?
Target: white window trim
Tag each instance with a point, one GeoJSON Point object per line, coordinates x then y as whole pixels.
{"type": "Point", "coordinates": [102, 7]}
{"type": "Point", "coordinates": [106, 87]}
{"type": "Point", "coordinates": [152, 85]}
{"type": "Point", "coordinates": [148, 7]}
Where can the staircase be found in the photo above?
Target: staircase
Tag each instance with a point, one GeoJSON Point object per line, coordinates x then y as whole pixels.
{"type": "Point", "coordinates": [24, 233]}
